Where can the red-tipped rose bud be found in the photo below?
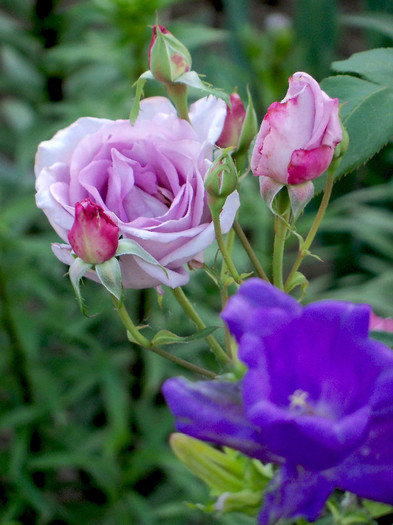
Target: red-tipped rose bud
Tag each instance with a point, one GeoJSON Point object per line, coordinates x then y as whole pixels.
{"type": "Point", "coordinates": [233, 123]}
{"type": "Point", "coordinates": [168, 57]}
{"type": "Point", "coordinates": [94, 237]}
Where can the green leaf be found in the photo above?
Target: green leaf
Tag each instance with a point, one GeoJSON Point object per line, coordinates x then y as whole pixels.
{"type": "Point", "coordinates": [375, 65]}
{"type": "Point", "coordinates": [366, 105]}
{"type": "Point", "coordinates": [165, 337]}
{"type": "Point", "coordinates": [110, 276]}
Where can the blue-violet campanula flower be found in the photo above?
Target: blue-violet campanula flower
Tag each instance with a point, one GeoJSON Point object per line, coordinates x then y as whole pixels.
{"type": "Point", "coordinates": [317, 400]}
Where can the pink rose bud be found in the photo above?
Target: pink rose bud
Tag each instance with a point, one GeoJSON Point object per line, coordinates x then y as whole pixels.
{"type": "Point", "coordinates": [233, 124]}
{"type": "Point", "coordinates": [168, 58]}
{"type": "Point", "coordinates": [296, 141]}
{"type": "Point", "coordinates": [298, 136]}
{"type": "Point", "coordinates": [94, 237]}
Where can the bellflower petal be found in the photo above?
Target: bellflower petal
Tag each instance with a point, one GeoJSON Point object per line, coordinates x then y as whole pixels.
{"type": "Point", "coordinates": [368, 472]}
{"type": "Point", "coordinates": [317, 395]}
{"type": "Point", "coordinates": [259, 307]}
{"type": "Point", "coordinates": [295, 493]}
{"type": "Point", "coordinates": [212, 411]}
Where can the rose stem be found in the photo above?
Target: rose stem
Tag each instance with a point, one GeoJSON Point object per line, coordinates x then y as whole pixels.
{"type": "Point", "coordinates": [304, 247]}
{"type": "Point", "coordinates": [250, 252]}
{"type": "Point", "coordinates": [223, 249]}
{"type": "Point", "coordinates": [193, 315]}
{"type": "Point", "coordinates": [178, 94]}
{"type": "Point", "coordinates": [280, 231]}
{"type": "Point", "coordinates": [224, 290]}
{"type": "Point", "coordinates": [143, 341]}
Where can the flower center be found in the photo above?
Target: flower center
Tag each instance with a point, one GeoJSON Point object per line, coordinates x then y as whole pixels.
{"type": "Point", "coordinates": [298, 402]}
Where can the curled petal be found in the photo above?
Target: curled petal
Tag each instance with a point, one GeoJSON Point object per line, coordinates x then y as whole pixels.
{"type": "Point", "coordinates": [212, 411]}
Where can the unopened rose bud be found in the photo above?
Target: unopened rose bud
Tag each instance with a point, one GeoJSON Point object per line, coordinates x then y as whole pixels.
{"type": "Point", "coordinates": [297, 140]}
{"type": "Point", "coordinates": [168, 57]}
{"type": "Point", "coordinates": [94, 237]}
{"type": "Point", "coordinates": [240, 126]}
{"type": "Point", "coordinates": [233, 123]}
{"type": "Point", "coordinates": [221, 180]}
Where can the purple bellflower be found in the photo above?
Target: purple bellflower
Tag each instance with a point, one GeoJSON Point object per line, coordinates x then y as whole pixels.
{"type": "Point", "coordinates": [317, 400]}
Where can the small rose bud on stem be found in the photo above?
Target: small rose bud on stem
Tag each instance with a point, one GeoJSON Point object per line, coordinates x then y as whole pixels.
{"type": "Point", "coordinates": [94, 237]}
{"type": "Point", "coordinates": [168, 58]}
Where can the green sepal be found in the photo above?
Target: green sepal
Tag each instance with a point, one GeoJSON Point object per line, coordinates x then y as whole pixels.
{"type": "Point", "coordinates": [130, 247]}
{"type": "Point", "coordinates": [234, 479]}
{"type": "Point", "coordinates": [109, 274]}
{"type": "Point", "coordinates": [76, 271]}
{"type": "Point", "coordinates": [138, 95]}
{"type": "Point", "coordinates": [165, 337]}
{"type": "Point", "coordinates": [376, 509]}
{"type": "Point", "coordinates": [192, 79]}
{"type": "Point", "coordinates": [249, 128]}
{"type": "Point", "coordinates": [131, 338]}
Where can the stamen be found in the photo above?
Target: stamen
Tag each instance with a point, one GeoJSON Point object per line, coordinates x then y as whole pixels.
{"type": "Point", "coordinates": [299, 401]}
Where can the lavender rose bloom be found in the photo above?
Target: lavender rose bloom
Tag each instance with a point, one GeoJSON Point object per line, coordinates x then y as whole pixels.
{"type": "Point", "coordinates": [316, 400]}
{"type": "Point", "coordinates": [149, 180]}
{"type": "Point", "coordinates": [296, 141]}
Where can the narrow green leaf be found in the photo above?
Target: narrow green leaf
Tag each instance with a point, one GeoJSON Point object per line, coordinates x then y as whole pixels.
{"type": "Point", "coordinates": [165, 337]}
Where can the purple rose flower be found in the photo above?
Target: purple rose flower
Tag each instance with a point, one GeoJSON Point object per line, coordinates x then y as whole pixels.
{"type": "Point", "coordinates": [316, 400]}
{"type": "Point", "coordinates": [148, 179]}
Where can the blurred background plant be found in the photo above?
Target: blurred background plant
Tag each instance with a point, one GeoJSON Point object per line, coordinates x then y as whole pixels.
{"type": "Point", "coordinates": [83, 428]}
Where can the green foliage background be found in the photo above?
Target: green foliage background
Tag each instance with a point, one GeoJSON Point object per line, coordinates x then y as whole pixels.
{"type": "Point", "coordinates": [83, 426]}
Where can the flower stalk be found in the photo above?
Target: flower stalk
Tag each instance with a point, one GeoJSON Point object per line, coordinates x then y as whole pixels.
{"type": "Point", "coordinates": [190, 311]}
{"type": "Point", "coordinates": [249, 250]}
{"type": "Point", "coordinates": [146, 343]}
{"type": "Point", "coordinates": [280, 236]}
{"type": "Point", "coordinates": [305, 246]}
